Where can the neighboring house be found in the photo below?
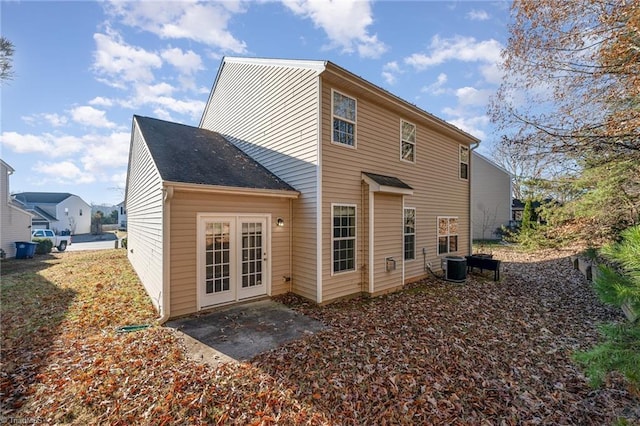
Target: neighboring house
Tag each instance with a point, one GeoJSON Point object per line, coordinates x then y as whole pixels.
{"type": "Point", "coordinates": [490, 198]}
{"type": "Point", "coordinates": [517, 207]}
{"type": "Point", "coordinates": [122, 216]}
{"type": "Point", "coordinates": [59, 211]}
{"type": "Point", "coordinates": [338, 188]}
{"type": "Point", "coordinates": [15, 222]}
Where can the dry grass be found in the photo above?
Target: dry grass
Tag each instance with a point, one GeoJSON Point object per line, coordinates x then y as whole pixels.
{"type": "Point", "coordinates": [480, 353]}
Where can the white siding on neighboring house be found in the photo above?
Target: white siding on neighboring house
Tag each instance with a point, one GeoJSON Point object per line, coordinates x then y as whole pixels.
{"type": "Point", "coordinates": [122, 215]}
{"type": "Point", "coordinates": [144, 200]}
{"type": "Point", "coordinates": [15, 223]}
{"type": "Point", "coordinates": [490, 197]}
{"type": "Point", "coordinates": [272, 113]}
{"type": "Point", "coordinates": [74, 214]}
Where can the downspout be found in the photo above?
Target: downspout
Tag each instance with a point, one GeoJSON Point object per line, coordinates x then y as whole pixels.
{"type": "Point", "coordinates": [165, 308]}
{"type": "Point", "coordinates": [472, 148]}
{"type": "Point", "coordinates": [290, 245]}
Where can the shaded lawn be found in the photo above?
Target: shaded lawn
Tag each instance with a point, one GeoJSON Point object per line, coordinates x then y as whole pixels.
{"type": "Point", "coordinates": [437, 352]}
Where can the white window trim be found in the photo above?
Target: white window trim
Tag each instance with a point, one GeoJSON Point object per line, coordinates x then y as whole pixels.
{"type": "Point", "coordinates": [464, 162]}
{"type": "Point", "coordinates": [438, 235]}
{"type": "Point", "coordinates": [355, 240]}
{"type": "Point", "coordinates": [404, 234]}
{"type": "Point", "coordinates": [355, 123]}
{"type": "Point", "coordinates": [415, 143]}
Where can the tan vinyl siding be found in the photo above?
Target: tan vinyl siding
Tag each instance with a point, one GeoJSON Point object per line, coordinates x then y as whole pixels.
{"type": "Point", "coordinates": [387, 241]}
{"type": "Point", "coordinates": [145, 210]}
{"type": "Point", "coordinates": [490, 199]}
{"type": "Point", "coordinates": [271, 112]}
{"type": "Point", "coordinates": [184, 209]}
{"type": "Point", "coordinates": [438, 190]}
{"type": "Point", "coordinates": [15, 223]}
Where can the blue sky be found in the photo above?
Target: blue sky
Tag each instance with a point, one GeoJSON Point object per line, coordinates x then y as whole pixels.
{"type": "Point", "coordinates": [82, 69]}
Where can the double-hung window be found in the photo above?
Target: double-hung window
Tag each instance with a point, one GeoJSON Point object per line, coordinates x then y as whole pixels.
{"type": "Point", "coordinates": [464, 162]}
{"type": "Point", "coordinates": [344, 237]}
{"type": "Point", "coordinates": [344, 119]}
{"type": "Point", "coordinates": [409, 233]}
{"type": "Point", "coordinates": [447, 235]}
{"type": "Point", "coordinates": [407, 141]}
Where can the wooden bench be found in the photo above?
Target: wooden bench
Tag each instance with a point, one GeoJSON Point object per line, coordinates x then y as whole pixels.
{"type": "Point", "coordinates": [484, 262]}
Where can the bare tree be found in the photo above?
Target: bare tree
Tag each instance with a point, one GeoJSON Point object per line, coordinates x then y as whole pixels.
{"type": "Point", "coordinates": [571, 83]}
{"type": "Point", "coordinates": [529, 169]}
{"type": "Point", "coordinates": [6, 59]}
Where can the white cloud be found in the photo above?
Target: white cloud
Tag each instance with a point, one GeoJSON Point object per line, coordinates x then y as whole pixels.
{"type": "Point", "coordinates": [119, 62]}
{"type": "Point", "coordinates": [473, 96]}
{"type": "Point", "coordinates": [105, 153]}
{"type": "Point", "coordinates": [203, 22]}
{"type": "Point", "coordinates": [90, 116]}
{"type": "Point", "coordinates": [436, 88]}
{"type": "Point", "coordinates": [477, 15]}
{"type": "Point", "coordinates": [55, 120]}
{"type": "Point", "coordinates": [186, 62]}
{"type": "Point", "coordinates": [46, 143]}
{"type": "Point", "coordinates": [344, 21]}
{"type": "Point", "coordinates": [63, 172]}
{"type": "Point", "coordinates": [466, 49]}
{"type": "Point", "coordinates": [390, 71]}
{"type": "Point", "coordinates": [100, 101]}
{"type": "Point", "coordinates": [468, 119]}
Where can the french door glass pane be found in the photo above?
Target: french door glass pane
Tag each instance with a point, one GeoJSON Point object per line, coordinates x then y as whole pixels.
{"type": "Point", "coordinates": [217, 257]}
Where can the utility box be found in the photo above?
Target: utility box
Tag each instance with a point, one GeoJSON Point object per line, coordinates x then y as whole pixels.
{"type": "Point", "coordinates": [390, 264]}
{"type": "Point", "coordinates": [455, 269]}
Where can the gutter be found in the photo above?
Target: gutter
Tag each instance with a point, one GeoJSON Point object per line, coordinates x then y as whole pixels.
{"type": "Point", "coordinates": [165, 307]}
{"type": "Point", "coordinates": [472, 148]}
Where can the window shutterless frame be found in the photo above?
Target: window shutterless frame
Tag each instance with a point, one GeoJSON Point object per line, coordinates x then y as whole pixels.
{"type": "Point", "coordinates": [343, 238]}
{"type": "Point", "coordinates": [407, 141]}
{"type": "Point", "coordinates": [409, 233]}
{"type": "Point", "coordinates": [464, 162]}
{"type": "Point", "coordinates": [343, 119]}
{"type": "Point", "coordinates": [447, 234]}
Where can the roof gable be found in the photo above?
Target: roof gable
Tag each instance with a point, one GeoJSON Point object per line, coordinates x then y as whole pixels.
{"type": "Point", "coordinates": [186, 154]}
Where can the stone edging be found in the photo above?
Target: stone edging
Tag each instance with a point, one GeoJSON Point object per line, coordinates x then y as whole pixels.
{"type": "Point", "coordinates": [590, 271]}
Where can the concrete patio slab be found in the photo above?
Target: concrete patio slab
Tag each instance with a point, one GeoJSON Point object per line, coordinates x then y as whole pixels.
{"type": "Point", "coordinates": [241, 332]}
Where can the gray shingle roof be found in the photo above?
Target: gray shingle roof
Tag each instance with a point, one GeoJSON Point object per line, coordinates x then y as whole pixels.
{"type": "Point", "coordinates": [391, 181]}
{"type": "Point", "coordinates": [193, 155]}
{"type": "Point", "coordinates": [42, 197]}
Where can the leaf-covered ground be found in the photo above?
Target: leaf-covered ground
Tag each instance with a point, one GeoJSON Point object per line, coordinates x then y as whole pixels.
{"type": "Point", "coordinates": [436, 353]}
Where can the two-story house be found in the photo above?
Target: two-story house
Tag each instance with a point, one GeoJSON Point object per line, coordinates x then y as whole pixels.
{"type": "Point", "coordinates": [15, 222]}
{"type": "Point", "coordinates": [59, 211]}
{"type": "Point", "coordinates": [301, 177]}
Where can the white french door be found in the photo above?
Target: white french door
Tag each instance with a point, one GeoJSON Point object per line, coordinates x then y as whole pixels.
{"type": "Point", "coordinates": [233, 263]}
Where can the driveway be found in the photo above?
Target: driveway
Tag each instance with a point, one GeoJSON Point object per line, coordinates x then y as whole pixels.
{"type": "Point", "coordinates": [241, 332]}
{"type": "Point", "coordinates": [93, 242]}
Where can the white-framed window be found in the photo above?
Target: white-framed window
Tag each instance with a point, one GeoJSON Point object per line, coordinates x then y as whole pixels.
{"type": "Point", "coordinates": [447, 234]}
{"type": "Point", "coordinates": [344, 119]}
{"type": "Point", "coordinates": [409, 233]}
{"type": "Point", "coordinates": [407, 141]}
{"type": "Point", "coordinates": [343, 241]}
{"type": "Point", "coordinates": [464, 162]}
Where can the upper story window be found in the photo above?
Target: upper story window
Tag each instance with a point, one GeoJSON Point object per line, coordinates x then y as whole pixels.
{"type": "Point", "coordinates": [407, 141]}
{"type": "Point", "coordinates": [464, 162]}
{"type": "Point", "coordinates": [344, 119]}
{"type": "Point", "coordinates": [80, 212]}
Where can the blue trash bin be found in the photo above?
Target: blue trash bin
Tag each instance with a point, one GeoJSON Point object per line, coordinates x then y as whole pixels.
{"type": "Point", "coordinates": [25, 249]}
